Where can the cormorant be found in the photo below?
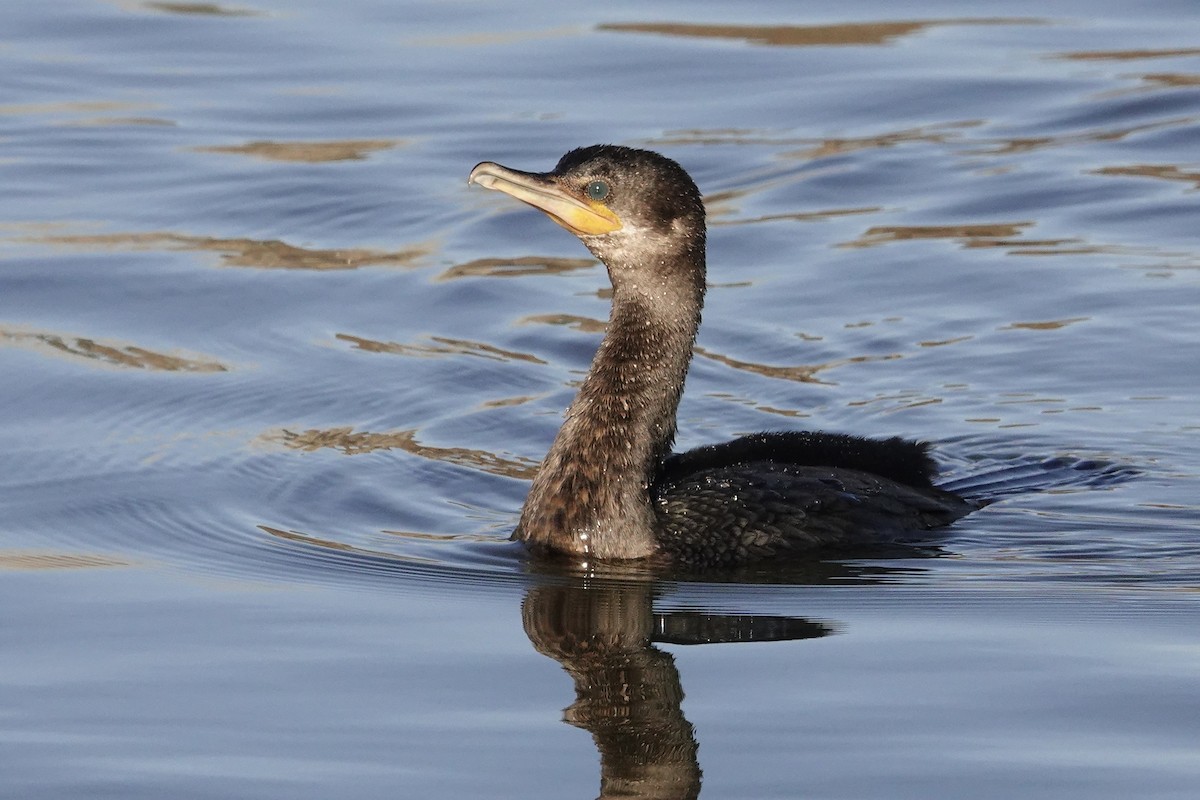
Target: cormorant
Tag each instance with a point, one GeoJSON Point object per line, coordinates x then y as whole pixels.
{"type": "Point", "coordinates": [610, 487]}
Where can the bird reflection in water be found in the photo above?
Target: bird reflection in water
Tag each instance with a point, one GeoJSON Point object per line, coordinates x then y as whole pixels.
{"type": "Point", "coordinates": [627, 691]}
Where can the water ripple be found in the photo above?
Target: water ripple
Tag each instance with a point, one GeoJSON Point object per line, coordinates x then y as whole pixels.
{"type": "Point", "coordinates": [112, 354]}
{"type": "Point", "coordinates": [848, 34]}
{"type": "Point", "coordinates": [262, 254]}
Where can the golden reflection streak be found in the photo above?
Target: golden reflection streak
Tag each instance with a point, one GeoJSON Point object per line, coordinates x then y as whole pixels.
{"type": "Point", "coordinates": [1032, 143]}
{"type": "Point", "coordinates": [799, 373]}
{"type": "Point", "coordinates": [352, 442]}
{"type": "Point", "coordinates": [941, 134]}
{"type": "Point", "coordinates": [861, 33]}
{"type": "Point", "coordinates": [258, 253]}
{"type": "Point", "coordinates": [506, 402]}
{"type": "Point", "coordinates": [330, 544]}
{"type": "Point", "coordinates": [516, 267]}
{"type": "Point", "coordinates": [1127, 55]}
{"type": "Point", "coordinates": [1036, 248]}
{"type": "Point", "coordinates": [944, 342]}
{"type": "Point", "coordinates": [1047, 325]}
{"type": "Point", "coordinates": [117, 355]}
{"type": "Point", "coordinates": [197, 9]}
{"type": "Point", "coordinates": [987, 234]}
{"type": "Point", "coordinates": [902, 401]}
{"type": "Point", "coordinates": [296, 536]}
{"type": "Point", "coordinates": [1172, 79]}
{"type": "Point", "coordinates": [122, 122]}
{"type": "Point", "coordinates": [443, 346]}
{"type": "Point", "coordinates": [996, 235]}
{"type": "Point", "coordinates": [309, 152]}
{"type": "Point", "coordinates": [572, 321]}
{"type": "Point", "coordinates": [30, 560]}
{"type": "Point", "coordinates": [441, 537]}
{"type": "Point", "coordinates": [750, 402]}
{"type": "Point", "coordinates": [783, 412]}
{"type": "Point", "coordinates": [1168, 172]}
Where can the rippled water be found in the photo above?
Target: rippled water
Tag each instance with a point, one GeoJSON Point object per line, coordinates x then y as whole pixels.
{"type": "Point", "coordinates": [274, 382]}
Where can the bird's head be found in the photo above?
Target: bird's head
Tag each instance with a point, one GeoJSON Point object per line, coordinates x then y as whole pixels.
{"type": "Point", "coordinates": [634, 209]}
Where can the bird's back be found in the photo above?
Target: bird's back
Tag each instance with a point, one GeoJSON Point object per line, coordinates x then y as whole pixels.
{"type": "Point", "coordinates": [761, 497]}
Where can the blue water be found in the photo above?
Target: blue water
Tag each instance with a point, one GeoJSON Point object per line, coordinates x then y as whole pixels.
{"type": "Point", "coordinates": [274, 381]}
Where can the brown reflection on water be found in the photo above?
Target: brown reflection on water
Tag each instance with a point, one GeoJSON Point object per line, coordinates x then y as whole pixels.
{"type": "Point", "coordinates": [750, 402]}
{"type": "Point", "coordinates": [122, 122]}
{"type": "Point", "coordinates": [1076, 247]}
{"type": "Point", "coordinates": [508, 402]}
{"type": "Point", "coordinates": [572, 321]}
{"type": "Point", "coordinates": [106, 353]}
{"type": "Point", "coordinates": [854, 33]}
{"type": "Point", "coordinates": [1006, 235]}
{"type": "Point", "coordinates": [1171, 79]}
{"type": "Point", "coordinates": [260, 253]}
{"type": "Point", "coordinates": [441, 346]}
{"type": "Point", "coordinates": [800, 373]}
{"type": "Point", "coordinates": [898, 401]}
{"type": "Point", "coordinates": [986, 234]}
{"type": "Point", "coordinates": [296, 536]}
{"type": "Point", "coordinates": [1168, 172]}
{"type": "Point", "coordinates": [333, 544]}
{"type": "Point", "coordinates": [944, 342]}
{"type": "Point", "coordinates": [516, 267]}
{"type": "Point", "coordinates": [1127, 55]}
{"type": "Point", "coordinates": [940, 134]}
{"type": "Point", "coordinates": [197, 9]}
{"type": "Point", "coordinates": [352, 442]}
{"type": "Point", "coordinates": [28, 560]}
{"type": "Point", "coordinates": [422, 536]}
{"type": "Point", "coordinates": [1031, 143]}
{"type": "Point", "coordinates": [1046, 325]}
{"type": "Point", "coordinates": [310, 152]}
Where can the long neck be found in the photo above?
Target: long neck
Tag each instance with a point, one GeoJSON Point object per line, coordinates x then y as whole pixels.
{"type": "Point", "coordinates": [591, 495]}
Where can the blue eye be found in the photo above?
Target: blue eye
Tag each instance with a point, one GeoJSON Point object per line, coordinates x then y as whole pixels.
{"type": "Point", "coordinates": [597, 190]}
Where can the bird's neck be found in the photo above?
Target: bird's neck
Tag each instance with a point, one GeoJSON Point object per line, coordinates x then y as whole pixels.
{"type": "Point", "coordinates": [591, 495]}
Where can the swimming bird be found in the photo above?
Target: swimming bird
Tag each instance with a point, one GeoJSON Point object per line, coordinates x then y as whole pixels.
{"type": "Point", "coordinates": [610, 487]}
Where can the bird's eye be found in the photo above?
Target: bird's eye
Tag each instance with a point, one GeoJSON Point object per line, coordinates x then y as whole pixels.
{"type": "Point", "coordinates": [597, 190]}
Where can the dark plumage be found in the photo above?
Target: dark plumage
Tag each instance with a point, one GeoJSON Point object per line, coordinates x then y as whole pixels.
{"type": "Point", "coordinates": [609, 487]}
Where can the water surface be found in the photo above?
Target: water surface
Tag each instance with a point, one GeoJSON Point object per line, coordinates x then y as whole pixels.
{"type": "Point", "coordinates": [275, 381]}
